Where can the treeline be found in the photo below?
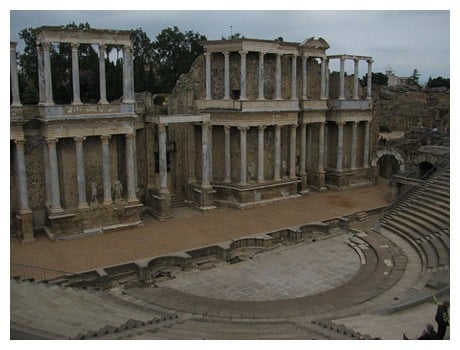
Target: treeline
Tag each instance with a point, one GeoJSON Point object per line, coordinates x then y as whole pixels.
{"type": "Point", "coordinates": [157, 65]}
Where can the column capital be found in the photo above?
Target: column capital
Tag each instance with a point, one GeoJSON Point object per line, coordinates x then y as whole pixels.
{"type": "Point", "coordinates": [130, 136]}
{"type": "Point", "coordinates": [306, 56]}
{"type": "Point", "coordinates": [105, 138]}
{"type": "Point", "coordinates": [46, 46]}
{"type": "Point", "coordinates": [262, 127]}
{"type": "Point", "coordinates": [295, 55]}
{"type": "Point", "coordinates": [74, 46]}
{"type": "Point", "coordinates": [207, 54]}
{"type": "Point", "coordinates": [279, 54]}
{"type": "Point", "coordinates": [13, 45]}
{"type": "Point", "coordinates": [355, 123]}
{"type": "Point", "coordinates": [227, 128]}
{"type": "Point", "coordinates": [356, 59]}
{"type": "Point", "coordinates": [20, 144]}
{"type": "Point", "coordinates": [243, 52]}
{"type": "Point", "coordinates": [226, 53]}
{"type": "Point", "coordinates": [102, 48]}
{"type": "Point", "coordinates": [79, 139]}
{"type": "Point", "coordinates": [294, 125]}
{"type": "Point", "coordinates": [127, 49]}
{"type": "Point", "coordinates": [340, 123]}
{"type": "Point", "coordinates": [205, 124]}
{"type": "Point", "coordinates": [342, 58]}
{"type": "Point", "coordinates": [243, 127]}
{"type": "Point", "coordinates": [51, 142]}
{"type": "Point", "coordinates": [277, 126]}
{"type": "Point", "coordinates": [370, 61]}
{"type": "Point", "coordinates": [262, 54]}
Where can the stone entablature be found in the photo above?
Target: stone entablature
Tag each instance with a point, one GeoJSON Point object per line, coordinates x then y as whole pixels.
{"type": "Point", "coordinates": [253, 119]}
{"type": "Point", "coordinates": [86, 111]}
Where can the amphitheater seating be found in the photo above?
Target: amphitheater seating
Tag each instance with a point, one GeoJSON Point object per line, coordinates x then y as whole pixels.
{"type": "Point", "coordinates": [422, 219]}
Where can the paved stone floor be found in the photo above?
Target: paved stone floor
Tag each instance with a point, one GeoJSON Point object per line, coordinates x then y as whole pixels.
{"type": "Point", "coordinates": [284, 273]}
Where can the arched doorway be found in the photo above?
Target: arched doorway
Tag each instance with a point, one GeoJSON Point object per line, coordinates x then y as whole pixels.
{"type": "Point", "coordinates": [424, 167]}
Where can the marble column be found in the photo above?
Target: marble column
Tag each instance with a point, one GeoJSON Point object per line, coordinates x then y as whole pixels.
{"type": "Point", "coordinates": [107, 187]}
{"type": "Point", "coordinates": [21, 178]}
{"type": "Point", "coordinates": [243, 155]}
{"type": "Point", "coordinates": [205, 170]}
{"type": "Point", "coordinates": [356, 80]}
{"type": "Point", "coordinates": [354, 127]}
{"type": "Point", "coordinates": [228, 164]}
{"type": "Point", "coordinates": [191, 153]}
{"type": "Point", "coordinates": [226, 75]}
{"type": "Point", "coordinates": [292, 152]}
{"type": "Point", "coordinates": [54, 176]}
{"type": "Point", "coordinates": [278, 77]}
{"type": "Point", "coordinates": [327, 78]}
{"type": "Point", "coordinates": [75, 75]}
{"type": "Point", "coordinates": [81, 181]}
{"type": "Point", "coordinates": [303, 148]}
{"type": "Point", "coordinates": [243, 76]}
{"type": "Point", "coordinates": [261, 155]}
{"type": "Point", "coordinates": [102, 83]}
{"type": "Point", "coordinates": [163, 163]}
{"type": "Point", "coordinates": [46, 165]}
{"type": "Point", "coordinates": [326, 138]}
{"type": "Point", "coordinates": [136, 181]}
{"type": "Point", "coordinates": [128, 83]}
{"type": "Point", "coordinates": [207, 55]}
{"type": "Point", "coordinates": [294, 78]}
{"type": "Point", "coordinates": [131, 184]}
{"type": "Point", "coordinates": [48, 91]}
{"type": "Point", "coordinates": [366, 144]}
{"type": "Point", "coordinates": [304, 77]}
{"type": "Point", "coordinates": [41, 79]}
{"type": "Point", "coordinates": [321, 152]}
{"type": "Point", "coordinates": [342, 79]}
{"type": "Point", "coordinates": [16, 102]}
{"type": "Point", "coordinates": [210, 154]}
{"type": "Point", "coordinates": [323, 78]}
{"type": "Point", "coordinates": [277, 171]}
{"type": "Point", "coordinates": [261, 76]}
{"type": "Point", "coordinates": [369, 79]}
{"type": "Point", "coordinates": [340, 126]}
{"type": "Point", "coordinates": [309, 144]}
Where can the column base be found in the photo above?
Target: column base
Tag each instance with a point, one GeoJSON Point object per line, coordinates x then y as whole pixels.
{"type": "Point", "coordinates": [317, 180]}
{"type": "Point", "coordinates": [77, 103]}
{"type": "Point", "coordinates": [25, 227]}
{"type": "Point", "coordinates": [83, 206]}
{"type": "Point", "coordinates": [107, 202]}
{"type": "Point", "coordinates": [304, 184]}
{"type": "Point", "coordinates": [103, 102]}
{"type": "Point", "coordinates": [159, 202]}
{"type": "Point", "coordinates": [55, 210]}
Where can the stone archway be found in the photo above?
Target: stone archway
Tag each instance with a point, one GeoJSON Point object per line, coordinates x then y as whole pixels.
{"type": "Point", "coordinates": [389, 152]}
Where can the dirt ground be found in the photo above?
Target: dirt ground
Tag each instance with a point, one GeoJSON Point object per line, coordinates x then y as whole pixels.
{"type": "Point", "coordinates": [189, 229]}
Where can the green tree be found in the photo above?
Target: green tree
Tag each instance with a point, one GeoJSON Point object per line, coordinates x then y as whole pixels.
{"type": "Point", "coordinates": [378, 79]}
{"type": "Point", "coordinates": [144, 61]}
{"type": "Point", "coordinates": [414, 78]}
{"type": "Point", "coordinates": [28, 68]}
{"type": "Point", "coordinates": [438, 82]}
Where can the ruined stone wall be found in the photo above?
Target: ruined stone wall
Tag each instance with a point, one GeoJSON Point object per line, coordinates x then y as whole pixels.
{"type": "Point", "coordinates": [334, 86]}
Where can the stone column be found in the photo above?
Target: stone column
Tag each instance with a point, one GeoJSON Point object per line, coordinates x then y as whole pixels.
{"type": "Point", "coordinates": [207, 55]}
{"type": "Point", "coordinates": [278, 77]}
{"type": "Point", "coordinates": [323, 78]}
{"type": "Point", "coordinates": [163, 164]}
{"type": "Point", "coordinates": [260, 155]}
{"type": "Point", "coordinates": [54, 177]}
{"type": "Point", "coordinates": [14, 76]}
{"type": "Point", "coordinates": [210, 153]}
{"type": "Point", "coordinates": [107, 187]}
{"type": "Point", "coordinates": [292, 152]}
{"type": "Point", "coordinates": [309, 145]}
{"type": "Point", "coordinates": [102, 83]}
{"type": "Point", "coordinates": [47, 75]}
{"type": "Point", "coordinates": [277, 171]}
{"type": "Point", "coordinates": [46, 163]}
{"type": "Point", "coordinates": [41, 79]}
{"type": "Point", "coordinates": [243, 158]}
{"type": "Point", "coordinates": [356, 80]}
{"type": "Point", "coordinates": [354, 127]}
{"type": "Point", "coordinates": [303, 148]}
{"type": "Point", "coordinates": [228, 164]}
{"type": "Point", "coordinates": [328, 74]}
{"type": "Point", "coordinates": [191, 154]}
{"type": "Point", "coordinates": [21, 178]}
{"type": "Point", "coordinates": [369, 79]}
{"type": "Point", "coordinates": [128, 83]}
{"type": "Point", "coordinates": [81, 181]}
{"type": "Point", "coordinates": [243, 76]}
{"type": "Point", "coordinates": [304, 77]}
{"type": "Point", "coordinates": [340, 146]}
{"type": "Point", "coordinates": [326, 130]}
{"type": "Point", "coordinates": [321, 148]}
{"type": "Point", "coordinates": [366, 145]}
{"type": "Point", "coordinates": [342, 79]}
{"type": "Point", "coordinates": [75, 76]}
{"type": "Point", "coordinates": [294, 78]}
{"type": "Point", "coordinates": [226, 75]}
{"type": "Point", "coordinates": [261, 76]}
{"type": "Point", "coordinates": [205, 171]}
{"type": "Point", "coordinates": [131, 184]}
{"type": "Point", "coordinates": [136, 181]}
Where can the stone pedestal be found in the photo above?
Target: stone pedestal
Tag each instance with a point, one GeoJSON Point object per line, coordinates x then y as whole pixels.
{"type": "Point", "coordinates": [317, 180]}
{"type": "Point", "coordinates": [201, 196]}
{"type": "Point", "coordinates": [25, 227]}
{"type": "Point", "coordinates": [159, 203]}
{"type": "Point", "coordinates": [303, 185]}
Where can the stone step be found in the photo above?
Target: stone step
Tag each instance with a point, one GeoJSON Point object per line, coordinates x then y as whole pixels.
{"type": "Point", "coordinates": [427, 218]}
{"type": "Point", "coordinates": [434, 195]}
{"type": "Point", "coordinates": [434, 216]}
{"type": "Point", "coordinates": [414, 222]}
{"type": "Point", "coordinates": [442, 204]}
{"type": "Point", "coordinates": [429, 206]}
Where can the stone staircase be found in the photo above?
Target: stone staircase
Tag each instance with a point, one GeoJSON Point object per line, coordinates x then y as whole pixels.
{"type": "Point", "coordinates": [177, 200]}
{"type": "Point", "coordinates": [423, 218]}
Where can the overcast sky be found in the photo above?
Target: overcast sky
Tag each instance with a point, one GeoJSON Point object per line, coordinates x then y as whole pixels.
{"type": "Point", "coordinates": [404, 40]}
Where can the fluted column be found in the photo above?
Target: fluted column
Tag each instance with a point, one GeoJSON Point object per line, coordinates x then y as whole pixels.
{"type": "Point", "coordinates": [321, 148]}
{"type": "Point", "coordinates": [369, 79]}
{"type": "Point", "coordinates": [309, 145]}
{"type": "Point", "coordinates": [226, 75]}
{"type": "Point", "coordinates": [243, 76]}
{"type": "Point", "coordinates": [278, 77]}
{"type": "Point", "coordinates": [75, 75]}
{"type": "Point", "coordinates": [207, 56]}
{"type": "Point", "coordinates": [354, 127]}
{"type": "Point", "coordinates": [292, 152]}
{"type": "Point", "coordinates": [16, 102]}
{"type": "Point", "coordinates": [106, 183]}
{"type": "Point", "coordinates": [303, 148]}
{"type": "Point", "coordinates": [81, 181]}
{"type": "Point", "coordinates": [46, 165]}
{"type": "Point", "coordinates": [243, 154]}
{"type": "Point", "coordinates": [102, 83]}
{"type": "Point", "coordinates": [304, 77]}
{"type": "Point", "coordinates": [261, 76]}
{"type": "Point", "coordinates": [21, 178]}
{"type": "Point", "coordinates": [205, 170]}
{"type": "Point", "coordinates": [323, 78]}
{"type": "Point", "coordinates": [163, 164]}
{"type": "Point", "coordinates": [294, 78]}
{"type": "Point", "coordinates": [356, 79]}
{"type": "Point", "coordinates": [54, 176]}
{"type": "Point", "coordinates": [48, 91]}
{"type": "Point", "coordinates": [366, 145]}
{"type": "Point", "coordinates": [342, 79]}
{"type": "Point", "coordinates": [260, 154]}
{"type": "Point", "coordinates": [277, 170]}
{"type": "Point", "coordinates": [41, 78]}
{"type": "Point", "coordinates": [128, 83]}
{"type": "Point", "coordinates": [228, 164]}
{"type": "Point", "coordinates": [340, 145]}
